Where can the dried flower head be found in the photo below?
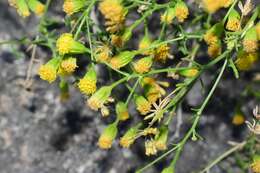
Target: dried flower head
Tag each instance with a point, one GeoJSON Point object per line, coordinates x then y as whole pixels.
{"type": "Point", "coordinates": [150, 147]}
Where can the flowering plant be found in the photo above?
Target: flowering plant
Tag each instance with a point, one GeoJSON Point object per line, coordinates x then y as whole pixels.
{"type": "Point", "coordinates": [150, 69]}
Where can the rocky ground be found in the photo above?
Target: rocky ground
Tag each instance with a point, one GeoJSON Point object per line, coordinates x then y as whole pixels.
{"type": "Point", "coordinates": [39, 134]}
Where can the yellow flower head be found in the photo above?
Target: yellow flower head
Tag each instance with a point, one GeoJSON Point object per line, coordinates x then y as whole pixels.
{"type": "Point", "coordinates": [73, 6]}
{"type": "Point", "coordinates": [98, 99]}
{"type": "Point", "coordinates": [122, 59]}
{"type": "Point", "coordinates": [114, 13]}
{"type": "Point", "coordinates": [150, 147]}
{"type": "Point", "coordinates": [122, 111]}
{"type": "Point", "coordinates": [87, 85]}
{"type": "Point", "coordinates": [36, 6]}
{"type": "Point", "coordinates": [181, 11]}
{"type": "Point", "coordinates": [255, 166]}
{"type": "Point", "coordinates": [213, 34]}
{"type": "Point", "coordinates": [214, 50]}
{"type": "Point", "coordinates": [69, 65]}
{"type": "Point", "coordinates": [103, 54]}
{"type": "Point", "coordinates": [168, 16]}
{"type": "Point", "coordinates": [48, 71]}
{"type": "Point", "coordinates": [233, 23]}
{"type": "Point", "coordinates": [129, 137]}
{"type": "Point", "coordinates": [211, 6]}
{"type": "Point", "coordinates": [107, 137]}
{"type": "Point", "coordinates": [250, 40]}
{"type": "Point", "coordinates": [143, 65]}
{"type": "Point", "coordinates": [238, 119]}
{"type": "Point", "coordinates": [245, 61]}
{"type": "Point", "coordinates": [161, 53]}
{"type": "Point", "coordinates": [142, 105]}
{"type": "Point", "coordinates": [66, 44]}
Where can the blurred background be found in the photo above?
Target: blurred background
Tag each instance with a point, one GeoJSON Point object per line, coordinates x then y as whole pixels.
{"type": "Point", "coordinates": [40, 134]}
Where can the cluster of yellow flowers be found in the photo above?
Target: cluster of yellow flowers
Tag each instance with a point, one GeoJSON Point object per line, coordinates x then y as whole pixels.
{"type": "Point", "coordinates": [108, 47]}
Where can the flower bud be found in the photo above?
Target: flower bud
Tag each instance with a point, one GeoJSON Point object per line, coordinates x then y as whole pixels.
{"type": "Point", "coordinates": [36, 6]}
{"type": "Point", "coordinates": [152, 93]}
{"type": "Point", "coordinates": [145, 43]}
{"type": "Point", "coordinates": [238, 119]}
{"type": "Point", "coordinates": [168, 16]}
{"type": "Point", "coordinates": [64, 91]}
{"type": "Point", "coordinates": [122, 111]}
{"type": "Point", "coordinates": [161, 139]}
{"type": "Point", "coordinates": [22, 8]}
{"type": "Point", "coordinates": [255, 166]}
{"type": "Point", "coordinates": [87, 85]}
{"type": "Point", "coordinates": [48, 71]}
{"type": "Point", "coordinates": [122, 59]}
{"type": "Point", "coordinates": [168, 170]}
{"type": "Point", "coordinates": [233, 23]}
{"type": "Point", "coordinates": [189, 73]}
{"type": "Point", "coordinates": [129, 137]}
{"type": "Point", "coordinates": [143, 65]}
{"type": "Point", "coordinates": [66, 44]}
{"type": "Point", "coordinates": [250, 40]}
{"type": "Point", "coordinates": [73, 6]}
{"type": "Point", "coordinates": [150, 147]}
{"type": "Point", "coordinates": [142, 105]}
{"type": "Point", "coordinates": [98, 99]}
{"type": "Point", "coordinates": [107, 137]}
{"type": "Point", "coordinates": [181, 11]}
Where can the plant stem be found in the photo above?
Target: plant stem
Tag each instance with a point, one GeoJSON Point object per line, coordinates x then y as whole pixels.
{"type": "Point", "coordinates": [223, 156]}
